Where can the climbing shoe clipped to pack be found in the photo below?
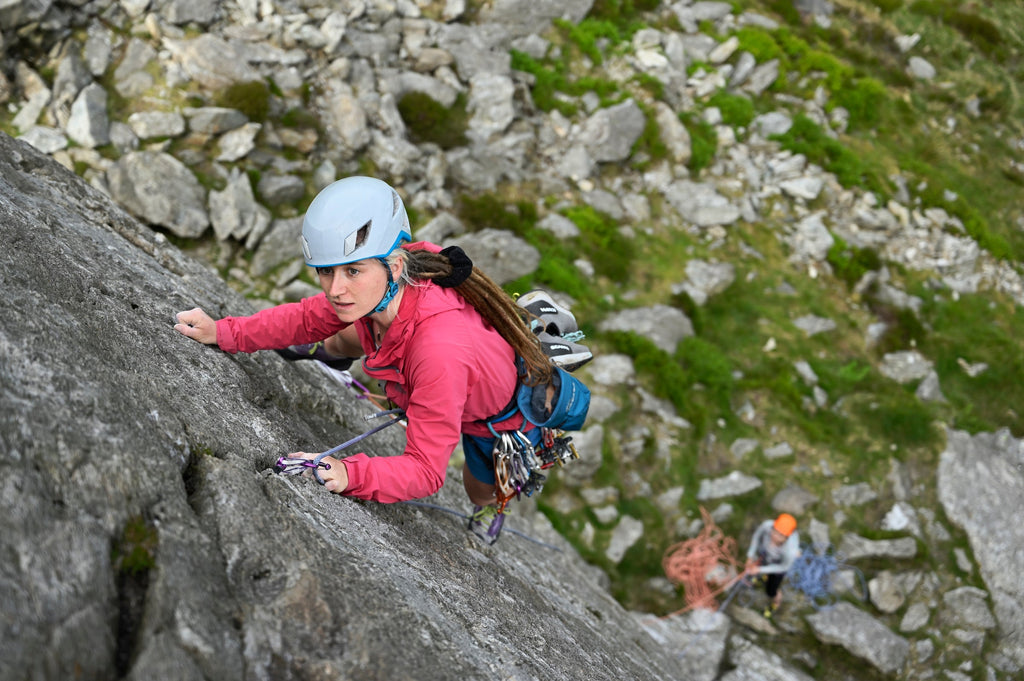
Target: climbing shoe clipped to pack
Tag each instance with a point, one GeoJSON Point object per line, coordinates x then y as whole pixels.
{"type": "Point", "coordinates": [556, 329]}
{"type": "Point", "coordinates": [486, 523]}
{"type": "Point", "coordinates": [548, 316]}
{"type": "Point", "coordinates": [318, 352]}
{"type": "Point", "coordinates": [564, 353]}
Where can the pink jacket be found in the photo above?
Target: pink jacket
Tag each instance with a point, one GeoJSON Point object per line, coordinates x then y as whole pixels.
{"type": "Point", "coordinates": [442, 363]}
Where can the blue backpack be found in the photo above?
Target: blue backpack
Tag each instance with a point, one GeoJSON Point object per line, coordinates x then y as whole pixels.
{"type": "Point", "coordinates": [559, 404]}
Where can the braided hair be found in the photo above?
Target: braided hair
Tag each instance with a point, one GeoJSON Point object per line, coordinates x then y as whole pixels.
{"type": "Point", "coordinates": [452, 269]}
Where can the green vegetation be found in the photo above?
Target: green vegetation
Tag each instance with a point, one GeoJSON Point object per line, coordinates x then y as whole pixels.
{"type": "Point", "coordinates": [851, 423]}
{"type": "Point", "coordinates": [553, 84]}
{"type": "Point", "coordinates": [251, 98]}
{"type": "Point", "coordinates": [851, 264]}
{"type": "Point", "coordinates": [737, 111]}
{"type": "Point", "coordinates": [588, 33]}
{"type": "Point", "coordinates": [430, 121]}
{"type": "Point", "coordinates": [624, 14]}
{"type": "Point", "coordinates": [299, 118]}
{"type": "Point", "coordinates": [865, 99]}
{"type": "Point", "coordinates": [983, 33]}
{"type": "Point", "coordinates": [134, 554]}
{"type": "Point", "coordinates": [887, 6]}
{"type": "Point", "coordinates": [954, 142]}
{"type": "Point", "coordinates": [852, 169]}
{"type": "Point", "coordinates": [703, 142]}
{"type": "Point", "coordinates": [600, 240]}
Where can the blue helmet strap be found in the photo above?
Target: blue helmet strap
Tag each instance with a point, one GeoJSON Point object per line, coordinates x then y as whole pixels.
{"type": "Point", "coordinates": [389, 292]}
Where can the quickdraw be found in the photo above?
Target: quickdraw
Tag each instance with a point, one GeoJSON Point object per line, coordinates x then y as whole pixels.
{"type": "Point", "coordinates": [518, 463]}
{"type": "Point", "coordinates": [294, 465]}
{"type": "Point", "coordinates": [555, 447]}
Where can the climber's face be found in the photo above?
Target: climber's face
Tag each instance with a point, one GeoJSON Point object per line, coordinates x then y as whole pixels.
{"type": "Point", "coordinates": [778, 538]}
{"type": "Point", "coordinates": [354, 289]}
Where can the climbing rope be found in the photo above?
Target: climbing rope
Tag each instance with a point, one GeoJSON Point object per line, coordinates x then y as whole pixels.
{"type": "Point", "coordinates": [811, 574]}
{"type": "Point", "coordinates": [703, 565]}
{"type": "Point", "coordinates": [423, 504]}
{"type": "Point", "coordinates": [294, 465]}
{"type": "Point", "coordinates": [363, 393]}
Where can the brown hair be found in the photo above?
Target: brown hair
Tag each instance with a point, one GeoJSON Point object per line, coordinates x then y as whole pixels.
{"type": "Point", "coordinates": [491, 301]}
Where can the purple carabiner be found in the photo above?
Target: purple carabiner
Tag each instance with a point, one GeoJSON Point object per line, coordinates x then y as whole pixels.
{"type": "Point", "coordinates": [293, 465]}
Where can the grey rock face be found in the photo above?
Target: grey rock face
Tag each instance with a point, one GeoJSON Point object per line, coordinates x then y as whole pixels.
{"type": "Point", "coordinates": [965, 607]}
{"type": "Point", "coordinates": [533, 16]}
{"type": "Point", "coordinates": [145, 536]}
{"type": "Point", "coordinates": [158, 188]}
{"type": "Point", "coordinates": [853, 547]}
{"type": "Point", "coordinates": [212, 61]}
{"type": "Point", "coordinates": [665, 326]}
{"type": "Point", "coordinates": [701, 204]}
{"type": "Point", "coordinates": [731, 485]}
{"type": "Point", "coordinates": [214, 120]}
{"type": "Point", "coordinates": [610, 133]}
{"type": "Point", "coordinates": [277, 189]}
{"type": "Point", "coordinates": [705, 279]}
{"type": "Point", "coordinates": [88, 124]}
{"type": "Point", "coordinates": [234, 211]}
{"type": "Point", "coordinates": [862, 635]}
{"type": "Point", "coordinates": [981, 488]}
{"type": "Point", "coordinates": [279, 246]}
{"type": "Point", "coordinates": [906, 366]}
{"type": "Point", "coordinates": [502, 255]}
{"type": "Point", "coordinates": [698, 630]}
{"type": "Point", "coordinates": [752, 662]}
{"type": "Point", "coordinates": [149, 124]}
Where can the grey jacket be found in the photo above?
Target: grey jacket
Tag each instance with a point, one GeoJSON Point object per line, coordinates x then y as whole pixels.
{"type": "Point", "coordinates": [774, 559]}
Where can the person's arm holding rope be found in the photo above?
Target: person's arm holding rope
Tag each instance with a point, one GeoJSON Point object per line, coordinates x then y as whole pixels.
{"type": "Point", "coordinates": [753, 564]}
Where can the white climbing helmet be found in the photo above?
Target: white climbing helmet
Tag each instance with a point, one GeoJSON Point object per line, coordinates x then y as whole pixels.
{"type": "Point", "coordinates": [353, 219]}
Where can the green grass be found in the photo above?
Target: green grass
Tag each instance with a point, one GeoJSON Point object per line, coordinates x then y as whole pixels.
{"type": "Point", "coordinates": [737, 111]}
{"type": "Point", "coordinates": [896, 125]}
{"type": "Point", "coordinates": [974, 330]}
{"type": "Point", "coordinates": [430, 121]}
{"type": "Point", "coordinates": [251, 98]}
{"type": "Point", "coordinates": [851, 264]}
{"type": "Point", "coordinates": [806, 137]}
{"type": "Point", "coordinates": [134, 554]}
{"type": "Point", "coordinates": [703, 142]}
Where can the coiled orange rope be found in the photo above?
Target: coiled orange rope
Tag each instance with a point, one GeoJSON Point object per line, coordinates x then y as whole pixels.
{"type": "Point", "coordinates": [704, 565]}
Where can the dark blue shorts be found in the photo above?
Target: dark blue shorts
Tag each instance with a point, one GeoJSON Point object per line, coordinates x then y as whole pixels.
{"type": "Point", "coordinates": [479, 453]}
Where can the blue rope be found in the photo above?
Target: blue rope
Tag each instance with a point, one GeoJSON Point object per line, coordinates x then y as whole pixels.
{"type": "Point", "coordinates": [812, 572]}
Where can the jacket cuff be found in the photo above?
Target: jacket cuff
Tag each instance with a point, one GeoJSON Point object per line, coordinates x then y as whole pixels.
{"type": "Point", "coordinates": [354, 469]}
{"type": "Point", "coordinates": [225, 337]}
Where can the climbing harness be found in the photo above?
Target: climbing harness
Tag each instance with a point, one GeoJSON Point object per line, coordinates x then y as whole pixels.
{"type": "Point", "coordinates": [811, 574]}
{"type": "Point", "coordinates": [293, 465]}
{"type": "Point", "coordinates": [703, 565]}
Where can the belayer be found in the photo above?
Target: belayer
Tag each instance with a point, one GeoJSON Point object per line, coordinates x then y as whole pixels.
{"type": "Point", "coordinates": [441, 336]}
{"type": "Point", "coordinates": [774, 548]}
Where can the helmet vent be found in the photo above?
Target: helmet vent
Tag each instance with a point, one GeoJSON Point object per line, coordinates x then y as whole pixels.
{"type": "Point", "coordinates": [357, 239]}
{"type": "Point", "coordinates": [396, 202]}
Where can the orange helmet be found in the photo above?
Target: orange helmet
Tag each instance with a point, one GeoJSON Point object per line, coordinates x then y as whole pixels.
{"type": "Point", "coordinates": [785, 524]}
